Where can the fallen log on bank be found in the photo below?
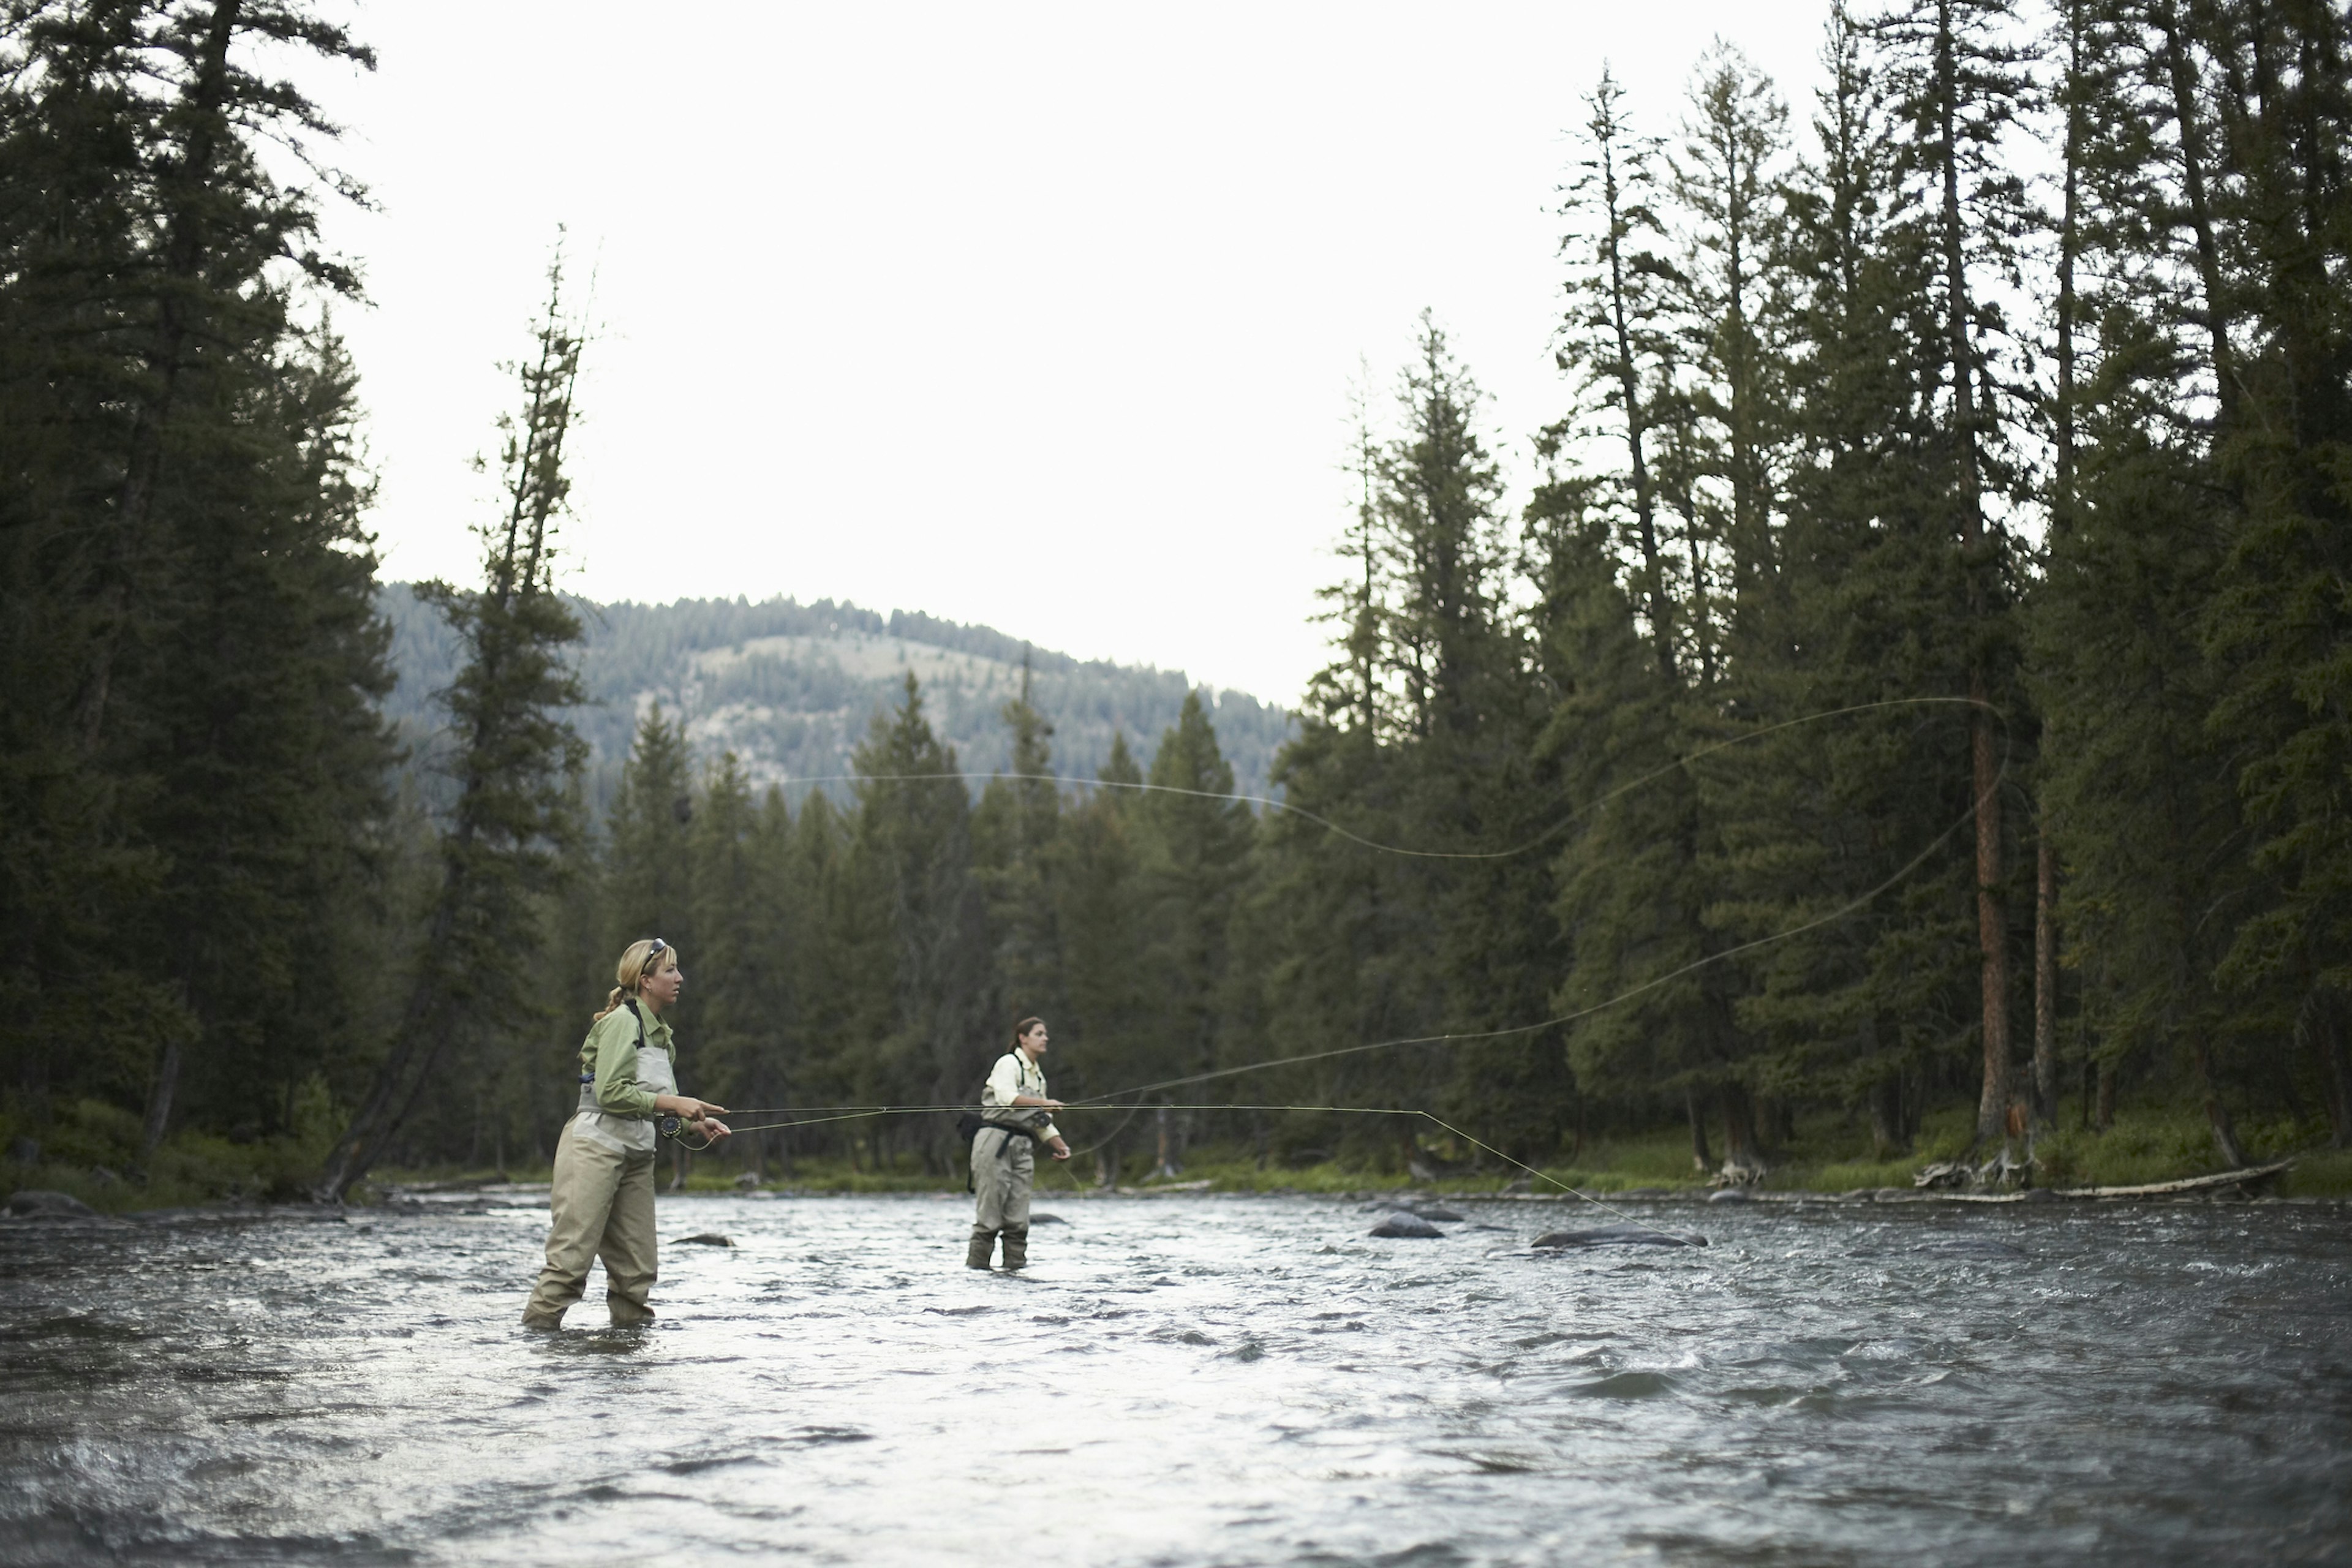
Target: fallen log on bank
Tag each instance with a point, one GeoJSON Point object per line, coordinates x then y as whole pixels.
{"type": "Point", "coordinates": [2245, 1178]}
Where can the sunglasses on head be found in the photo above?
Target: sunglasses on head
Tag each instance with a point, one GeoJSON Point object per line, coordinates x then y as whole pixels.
{"type": "Point", "coordinates": [656, 950]}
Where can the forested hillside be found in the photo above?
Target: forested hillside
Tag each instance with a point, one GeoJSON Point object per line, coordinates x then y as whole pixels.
{"type": "Point", "coordinates": [1912, 716]}
{"type": "Point", "coordinates": [789, 689]}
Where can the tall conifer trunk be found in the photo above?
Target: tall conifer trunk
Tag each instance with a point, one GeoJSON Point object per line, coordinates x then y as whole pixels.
{"type": "Point", "coordinates": [1984, 764]}
{"type": "Point", "coordinates": [2181, 73]}
{"type": "Point", "coordinates": [2062, 521]}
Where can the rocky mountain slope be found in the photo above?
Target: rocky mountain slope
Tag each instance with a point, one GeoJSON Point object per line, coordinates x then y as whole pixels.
{"type": "Point", "coordinates": [790, 688]}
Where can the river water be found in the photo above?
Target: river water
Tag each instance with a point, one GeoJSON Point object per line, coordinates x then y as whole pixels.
{"type": "Point", "coordinates": [1189, 1380]}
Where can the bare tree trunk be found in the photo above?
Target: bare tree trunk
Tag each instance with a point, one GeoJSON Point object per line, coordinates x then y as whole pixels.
{"type": "Point", "coordinates": [2217, 1115]}
{"type": "Point", "coordinates": [2104, 1116]}
{"type": "Point", "coordinates": [158, 1101]}
{"type": "Point", "coordinates": [1993, 934]}
{"type": "Point", "coordinates": [2322, 1024]}
{"type": "Point", "coordinates": [1702, 1158]}
{"type": "Point", "coordinates": [2045, 980]}
{"type": "Point", "coordinates": [1740, 1144]}
{"type": "Point", "coordinates": [1887, 1135]}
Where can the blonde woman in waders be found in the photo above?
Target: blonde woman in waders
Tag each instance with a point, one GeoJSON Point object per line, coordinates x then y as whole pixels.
{"type": "Point", "coordinates": [603, 1198]}
{"type": "Point", "coordinates": [1016, 1117]}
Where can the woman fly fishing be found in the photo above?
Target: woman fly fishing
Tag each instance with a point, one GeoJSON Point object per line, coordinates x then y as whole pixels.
{"type": "Point", "coordinates": [602, 1201]}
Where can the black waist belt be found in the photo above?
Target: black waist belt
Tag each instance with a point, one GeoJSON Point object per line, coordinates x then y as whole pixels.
{"type": "Point", "coordinates": [972, 1126]}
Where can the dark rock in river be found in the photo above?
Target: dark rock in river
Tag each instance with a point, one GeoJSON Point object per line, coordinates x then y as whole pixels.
{"type": "Point", "coordinates": [36, 1203]}
{"type": "Point", "coordinates": [1427, 1208]}
{"type": "Point", "coordinates": [1403, 1222]}
{"type": "Point", "coordinates": [707, 1239]}
{"type": "Point", "coordinates": [1618, 1236]}
{"type": "Point", "coordinates": [1047, 1219]}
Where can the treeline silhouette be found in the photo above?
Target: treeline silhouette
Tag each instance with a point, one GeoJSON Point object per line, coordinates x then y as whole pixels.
{"type": "Point", "coordinates": [1918, 681]}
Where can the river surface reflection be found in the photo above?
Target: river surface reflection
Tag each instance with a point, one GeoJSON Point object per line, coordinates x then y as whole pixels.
{"type": "Point", "coordinates": [1190, 1380]}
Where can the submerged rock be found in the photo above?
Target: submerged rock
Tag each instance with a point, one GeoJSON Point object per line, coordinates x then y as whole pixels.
{"type": "Point", "coordinates": [1047, 1219]}
{"type": "Point", "coordinates": [37, 1203]}
{"type": "Point", "coordinates": [1729, 1195]}
{"type": "Point", "coordinates": [1618, 1236]}
{"type": "Point", "coordinates": [1427, 1208]}
{"type": "Point", "coordinates": [707, 1239]}
{"type": "Point", "coordinates": [1403, 1223]}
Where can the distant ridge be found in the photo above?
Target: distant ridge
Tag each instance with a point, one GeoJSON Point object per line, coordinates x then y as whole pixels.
{"type": "Point", "coordinates": [791, 688]}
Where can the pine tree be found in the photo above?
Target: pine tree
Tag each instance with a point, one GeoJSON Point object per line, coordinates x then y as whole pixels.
{"type": "Point", "coordinates": [649, 875]}
{"type": "Point", "coordinates": [1016, 831]}
{"type": "Point", "coordinates": [1960, 86]}
{"type": "Point", "coordinates": [731, 937]}
{"type": "Point", "coordinates": [193, 770]}
{"type": "Point", "coordinates": [2282, 617]}
{"type": "Point", "coordinates": [1193, 841]}
{"type": "Point", "coordinates": [1815, 812]}
{"type": "Point", "coordinates": [270, 757]}
{"type": "Point", "coordinates": [845, 998]}
{"type": "Point", "coordinates": [1733, 298]}
{"type": "Point", "coordinates": [1631, 890]}
{"type": "Point", "coordinates": [1104, 924]}
{"type": "Point", "coordinates": [914, 839]}
{"type": "Point", "coordinates": [512, 826]}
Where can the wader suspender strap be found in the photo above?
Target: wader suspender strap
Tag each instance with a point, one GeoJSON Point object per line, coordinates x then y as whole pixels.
{"type": "Point", "coordinates": [590, 1077]}
{"type": "Point", "coordinates": [1004, 1150]}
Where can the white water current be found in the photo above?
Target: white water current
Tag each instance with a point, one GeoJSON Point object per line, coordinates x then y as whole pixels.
{"type": "Point", "coordinates": [1188, 1381]}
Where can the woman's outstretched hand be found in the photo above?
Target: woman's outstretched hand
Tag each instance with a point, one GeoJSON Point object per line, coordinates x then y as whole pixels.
{"type": "Point", "coordinates": [710, 1127]}
{"type": "Point", "coordinates": [686, 1106]}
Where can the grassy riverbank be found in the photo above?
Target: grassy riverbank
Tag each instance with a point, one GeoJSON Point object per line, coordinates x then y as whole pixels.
{"type": "Point", "coordinates": [88, 1153]}
{"type": "Point", "coordinates": [2141, 1147]}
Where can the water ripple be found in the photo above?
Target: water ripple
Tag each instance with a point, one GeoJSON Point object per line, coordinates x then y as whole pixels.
{"type": "Point", "coordinates": [1190, 1380]}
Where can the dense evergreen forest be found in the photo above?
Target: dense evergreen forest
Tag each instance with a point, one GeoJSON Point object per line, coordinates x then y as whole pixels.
{"type": "Point", "coordinates": [789, 688]}
{"type": "Point", "coordinates": [1919, 687]}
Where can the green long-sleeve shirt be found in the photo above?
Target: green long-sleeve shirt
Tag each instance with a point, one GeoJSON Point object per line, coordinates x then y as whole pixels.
{"type": "Point", "coordinates": [610, 1052]}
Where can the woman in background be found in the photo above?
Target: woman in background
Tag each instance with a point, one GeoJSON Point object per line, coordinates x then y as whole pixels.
{"type": "Point", "coordinates": [1018, 1116]}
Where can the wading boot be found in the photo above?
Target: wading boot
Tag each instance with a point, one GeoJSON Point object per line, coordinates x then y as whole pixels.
{"type": "Point", "coordinates": [1016, 1246]}
{"type": "Point", "coordinates": [984, 1242]}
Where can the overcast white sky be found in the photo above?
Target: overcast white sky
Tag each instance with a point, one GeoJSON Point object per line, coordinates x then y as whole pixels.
{"type": "Point", "coordinates": [1038, 316]}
